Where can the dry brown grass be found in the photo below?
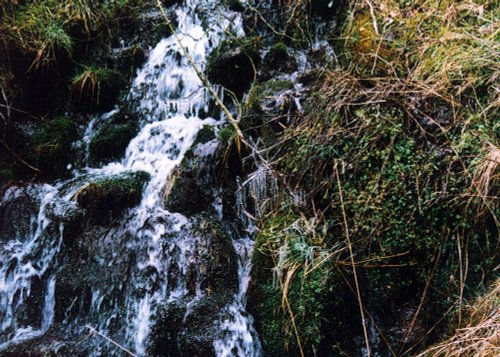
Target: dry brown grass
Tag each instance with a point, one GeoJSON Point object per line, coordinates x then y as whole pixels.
{"type": "Point", "coordinates": [486, 180]}
{"type": "Point", "coordinates": [480, 336]}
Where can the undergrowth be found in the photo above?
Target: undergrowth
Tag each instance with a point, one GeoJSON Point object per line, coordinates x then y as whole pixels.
{"type": "Point", "coordinates": [46, 29]}
{"type": "Point", "coordinates": [402, 135]}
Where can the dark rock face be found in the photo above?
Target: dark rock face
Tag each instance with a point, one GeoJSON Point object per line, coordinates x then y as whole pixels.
{"type": "Point", "coordinates": [235, 5]}
{"type": "Point", "coordinates": [185, 327]}
{"type": "Point", "coordinates": [96, 89]}
{"type": "Point", "coordinates": [53, 149]}
{"type": "Point", "coordinates": [233, 64]}
{"type": "Point", "coordinates": [110, 196]}
{"type": "Point", "coordinates": [112, 139]}
{"type": "Point", "coordinates": [191, 187]}
{"type": "Point", "coordinates": [277, 60]}
{"type": "Point", "coordinates": [17, 205]}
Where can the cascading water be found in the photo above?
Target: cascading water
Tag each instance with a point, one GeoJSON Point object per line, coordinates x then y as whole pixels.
{"type": "Point", "coordinates": [146, 260]}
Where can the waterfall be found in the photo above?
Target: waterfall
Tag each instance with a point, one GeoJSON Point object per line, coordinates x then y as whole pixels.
{"type": "Point", "coordinates": [143, 262]}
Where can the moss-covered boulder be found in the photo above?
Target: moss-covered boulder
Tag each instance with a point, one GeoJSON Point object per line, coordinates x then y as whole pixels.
{"type": "Point", "coordinates": [110, 142]}
{"type": "Point", "coordinates": [96, 89]}
{"type": "Point", "coordinates": [277, 60]}
{"type": "Point", "coordinates": [53, 146]}
{"type": "Point", "coordinates": [233, 64]}
{"type": "Point", "coordinates": [107, 198]}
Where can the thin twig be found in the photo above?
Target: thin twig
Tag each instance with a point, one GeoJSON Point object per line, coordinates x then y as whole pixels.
{"type": "Point", "coordinates": [349, 245]}
{"type": "Point", "coordinates": [110, 340]}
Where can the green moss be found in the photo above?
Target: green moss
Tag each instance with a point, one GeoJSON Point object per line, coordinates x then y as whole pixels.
{"type": "Point", "coordinates": [262, 93]}
{"type": "Point", "coordinates": [256, 113]}
{"type": "Point", "coordinates": [53, 141]}
{"type": "Point", "coordinates": [227, 132]}
{"type": "Point", "coordinates": [233, 63]}
{"type": "Point", "coordinates": [96, 88]}
{"type": "Point", "coordinates": [205, 135]}
{"type": "Point", "coordinates": [278, 50]}
{"type": "Point", "coordinates": [110, 142]}
{"type": "Point", "coordinates": [107, 198]}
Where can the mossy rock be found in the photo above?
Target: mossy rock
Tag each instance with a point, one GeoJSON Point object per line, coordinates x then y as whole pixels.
{"type": "Point", "coordinates": [189, 190]}
{"type": "Point", "coordinates": [110, 142]}
{"type": "Point", "coordinates": [127, 60]}
{"type": "Point", "coordinates": [96, 89]}
{"type": "Point", "coordinates": [260, 110]}
{"type": "Point", "coordinates": [278, 60]}
{"type": "Point", "coordinates": [107, 198]}
{"type": "Point", "coordinates": [53, 149]}
{"type": "Point", "coordinates": [233, 63]}
{"type": "Point", "coordinates": [206, 134]}
{"type": "Point", "coordinates": [263, 94]}
{"type": "Point", "coordinates": [217, 257]}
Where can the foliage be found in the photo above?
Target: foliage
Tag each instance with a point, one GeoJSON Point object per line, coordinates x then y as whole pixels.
{"type": "Point", "coordinates": [401, 135]}
{"type": "Point", "coordinates": [478, 334]}
{"type": "Point", "coordinates": [110, 196]}
{"type": "Point", "coordinates": [291, 307]}
{"type": "Point", "coordinates": [96, 88]}
{"type": "Point", "coordinates": [447, 48]}
{"type": "Point", "coordinates": [48, 28]}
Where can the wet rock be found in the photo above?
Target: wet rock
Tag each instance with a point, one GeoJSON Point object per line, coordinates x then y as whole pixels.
{"type": "Point", "coordinates": [217, 261]}
{"type": "Point", "coordinates": [111, 141]}
{"type": "Point", "coordinates": [186, 327]}
{"type": "Point", "coordinates": [96, 89]}
{"type": "Point", "coordinates": [233, 64]}
{"type": "Point", "coordinates": [197, 336]}
{"type": "Point", "coordinates": [53, 146]}
{"type": "Point", "coordinates": [17, 206]}
{"type": "Point", "coordinates": [163, 336]}
{"type": "Point", "coordinates": [127, 59]}
{"type": "Point", "coordinates": [235, 5]}
{"type": "Point", "coordinates": [107, 198]}
{"type": "Point", "coordinates": [30, 312]}
{"type": "Point", "coordinates": [190, 188]}
{"type": "Point", "coordinates": [277, 60]}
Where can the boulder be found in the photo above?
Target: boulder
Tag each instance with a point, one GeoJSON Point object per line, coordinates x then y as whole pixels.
{"type": "Point", "coordinates": [186, 326]}
{"type": "Point", "coordinates": [17, 206]}
{"type": "Point", "coordinates": [277, 60]}
{"type": "Point", "coordinates": [110, 142]}
{"type": "Point", "coordinates": [233, 64]}
{"type": "Point", "coordinates": [53, 146]}
{"type": "Point", "coordinates": [107, 198]}
{"type": "Point", "coordinates": [190, 187]}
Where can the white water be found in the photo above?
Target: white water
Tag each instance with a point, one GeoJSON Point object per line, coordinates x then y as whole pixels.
{"type": "Point", "coordinates": [169, 97]}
